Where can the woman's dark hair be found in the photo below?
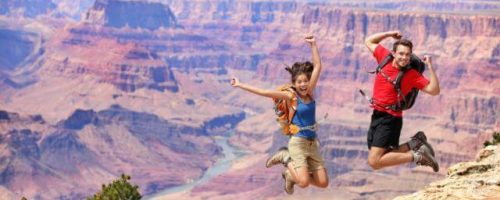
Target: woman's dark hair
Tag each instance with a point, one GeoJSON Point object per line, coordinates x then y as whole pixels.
{"type": "Point", "coordinates": [299, 68]}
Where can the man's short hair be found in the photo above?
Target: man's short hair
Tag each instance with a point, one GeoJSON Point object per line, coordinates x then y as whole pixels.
{"type": "Point", "coordinates": [403, 42]}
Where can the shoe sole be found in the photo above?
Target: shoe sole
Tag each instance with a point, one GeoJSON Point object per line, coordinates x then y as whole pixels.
{"type": "Point", "coordinates": [284, 179]}
{"type": "Point", "coordinates": [435, 166]}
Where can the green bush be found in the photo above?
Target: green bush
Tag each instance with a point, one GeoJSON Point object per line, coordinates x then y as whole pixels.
{"type": "Point", "coordinates": [118, 190]}
{"type": "Point", "coordinates": [496, 139]}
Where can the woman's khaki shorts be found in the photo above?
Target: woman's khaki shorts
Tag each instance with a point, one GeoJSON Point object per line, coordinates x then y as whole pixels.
{"type": "Point", "coordinates": [305, 153]}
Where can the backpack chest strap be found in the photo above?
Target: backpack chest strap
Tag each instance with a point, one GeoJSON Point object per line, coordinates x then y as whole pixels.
{"type": "Point", "coordinates": [372, 101]}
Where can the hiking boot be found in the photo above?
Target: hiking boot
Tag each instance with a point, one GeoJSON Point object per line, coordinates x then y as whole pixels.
{"type": "Point", "coordinates": [424, 157]}
{"type": "Point", "coordinates": [289, 183]}
{"type": "Point", "coordinates": [282, 156]}
{"type": "Point", "coordinates": [418, 140]}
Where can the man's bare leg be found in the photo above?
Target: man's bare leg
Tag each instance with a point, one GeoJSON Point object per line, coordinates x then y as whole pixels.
{"type": "Point", "coordinates": [380, 157]}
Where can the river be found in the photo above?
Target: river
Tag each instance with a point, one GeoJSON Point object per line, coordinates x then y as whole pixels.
{"type": "Point", "coordinates": [223, 164]}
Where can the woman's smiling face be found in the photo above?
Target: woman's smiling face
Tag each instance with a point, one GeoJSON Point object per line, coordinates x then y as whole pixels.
{"type": "Point", "coordinates": [301, 84]}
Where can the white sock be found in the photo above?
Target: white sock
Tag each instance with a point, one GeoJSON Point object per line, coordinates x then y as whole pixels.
{"type": "Point", "coordinates": [412, 143]}
{"type": "Point", "coordinates": [416, 156]}
{"type": "Point", "coordinates": [287, 160]}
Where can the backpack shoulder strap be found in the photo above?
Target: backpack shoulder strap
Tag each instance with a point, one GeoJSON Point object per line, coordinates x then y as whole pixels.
{"type": "Point", "coordinates": [291, 104]}
{"type": "Point", "coordinates": [397, 82]}
{"type": "Point", "coordinates": [397, 86]}
{"type": "Point", "coordinates": [383, 63]}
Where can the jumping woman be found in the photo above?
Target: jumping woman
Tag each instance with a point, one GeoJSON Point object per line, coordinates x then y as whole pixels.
{"type": "Point", "coordinates": [303, 163]}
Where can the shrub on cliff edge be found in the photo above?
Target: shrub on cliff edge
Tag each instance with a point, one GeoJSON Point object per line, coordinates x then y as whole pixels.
{"type": "Point", "coordinates": [119, 189]}
{"type": "Point", "coordinates": [496, 139]}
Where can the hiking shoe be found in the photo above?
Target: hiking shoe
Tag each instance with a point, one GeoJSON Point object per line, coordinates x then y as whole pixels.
{"type": "Point", "coordinates": [425, 158]}
{"type": "Point", "coordinates": [289, 183]}
{"type": "Point", "coordinates": [418, 140]}
{"type": "Point", "coordinates": [282, 156]}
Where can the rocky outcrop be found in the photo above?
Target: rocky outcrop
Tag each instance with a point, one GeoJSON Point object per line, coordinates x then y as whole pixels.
{"type": "Point", "coordinates": [133, 14]}
{"type": "Point", "coordinates": [479, 179]}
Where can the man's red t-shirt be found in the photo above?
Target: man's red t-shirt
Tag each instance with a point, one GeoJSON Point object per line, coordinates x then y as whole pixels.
{"type": "Point", "coordinates": [383, 91]}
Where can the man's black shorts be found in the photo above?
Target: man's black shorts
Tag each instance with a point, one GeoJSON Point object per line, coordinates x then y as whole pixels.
{"type": "Point", "coordinates": [385, 130]}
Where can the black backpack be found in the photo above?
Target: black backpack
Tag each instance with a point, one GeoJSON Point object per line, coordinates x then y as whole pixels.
{"type": "Point", "coordinates": [409, 99]}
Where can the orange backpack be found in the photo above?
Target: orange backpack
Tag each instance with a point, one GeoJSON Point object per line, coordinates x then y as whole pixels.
{"type": "Point", "coordinates": [285, 110]}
